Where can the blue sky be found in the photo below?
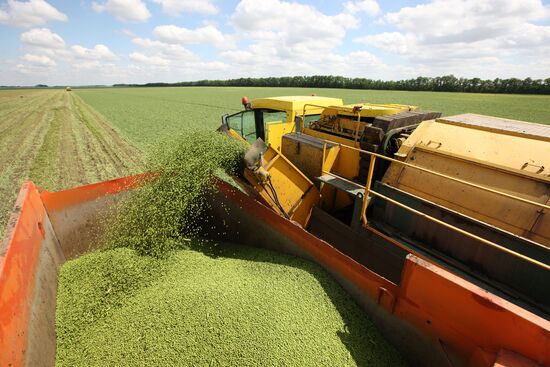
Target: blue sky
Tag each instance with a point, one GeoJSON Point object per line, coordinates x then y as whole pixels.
{"type": "Point", "coordinates": [138, 41]}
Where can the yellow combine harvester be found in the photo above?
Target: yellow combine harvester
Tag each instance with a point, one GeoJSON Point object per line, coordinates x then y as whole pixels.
{"type": "Point", "coordinates": [469, 193]}
{"type": "Point", "coordinates": [315, 138]}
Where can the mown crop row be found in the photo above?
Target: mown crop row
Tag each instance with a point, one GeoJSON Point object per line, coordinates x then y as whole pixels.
{"type": "Point", "coordinates": [58, 141]}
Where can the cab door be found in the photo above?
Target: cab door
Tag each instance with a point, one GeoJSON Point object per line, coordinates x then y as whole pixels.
{"type": "Point", "coordinates": [245, 124]}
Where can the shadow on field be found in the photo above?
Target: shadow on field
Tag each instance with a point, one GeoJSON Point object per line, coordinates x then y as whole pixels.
{"type": "Point", "coordinates": [364, 342]}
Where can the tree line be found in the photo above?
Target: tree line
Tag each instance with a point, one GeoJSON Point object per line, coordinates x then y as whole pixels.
{"type": "Point", "coordinates": [448, 83]}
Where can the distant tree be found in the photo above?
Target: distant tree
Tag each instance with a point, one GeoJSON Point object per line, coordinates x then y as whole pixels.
{"type": "Point", "coordinates": [446, 83]}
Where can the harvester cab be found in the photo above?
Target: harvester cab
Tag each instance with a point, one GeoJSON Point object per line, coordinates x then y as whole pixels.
{"type": "Point", "coordinates": [270, 119]}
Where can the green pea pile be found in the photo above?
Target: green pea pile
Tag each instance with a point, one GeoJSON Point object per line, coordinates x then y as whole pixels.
{"type": "Point", "coordinates": [158, 295]}
{"type": "Point", "coordinates": [216, 305]}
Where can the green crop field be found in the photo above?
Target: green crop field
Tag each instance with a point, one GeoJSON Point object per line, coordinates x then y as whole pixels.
{"type": "Point", "coordinates": [146, 114]}
{"type": "Point", "coordinates": [55, 139]}
{"type": "Point", "coordinates": [61, 139]}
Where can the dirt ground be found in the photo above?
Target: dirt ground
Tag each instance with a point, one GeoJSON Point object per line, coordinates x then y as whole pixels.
{"type": "Point", "coordinates": [58, 141]}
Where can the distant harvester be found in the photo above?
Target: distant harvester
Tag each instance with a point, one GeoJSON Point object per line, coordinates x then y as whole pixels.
{"type": "Point", "coordinates": [68, 89]}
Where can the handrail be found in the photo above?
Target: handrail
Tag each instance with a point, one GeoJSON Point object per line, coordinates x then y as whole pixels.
{"type": "Point", "coordinates": [369, 191]}
{"type": "Point", "coordinates": [460, 230]}
{"type": "Point", "coordinates": [435, 173]}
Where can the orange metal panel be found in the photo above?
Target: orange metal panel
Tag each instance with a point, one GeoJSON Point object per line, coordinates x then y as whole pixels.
{"type": "Point", "coordinates": [56, 201]}
{"type": "Point", "coordinates": [469, 324]}
{"type": "Point", "coordinates": [466, 317]}
{"type": "Point", "coordinates": [18, 258]}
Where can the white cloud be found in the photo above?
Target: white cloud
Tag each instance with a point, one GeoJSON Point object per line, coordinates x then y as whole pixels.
{"type": "Point", "coordinates": [170, 52]}
{"type": "Point", "coordinates": [289, 38]}
{"type": "Point", "coordinates": [394, 42]}
{"type": "Point", "coordinates": [128, 33]}
{"type": "Point", "coordinates": [294, 30]}
{"type": "Point", "coordinates": [238, 56]}
{"type": "Point", "coordinates": [151, 60]}
{"type": "Point", "coordinates": [42, 37]}
{"type": "Point", "coordinates": [204, 35]}
{"type": "Point", "coordinates": [445, 21]}
{"type": "Point", "coordinates": [175, 7]}
{"type": "Point", "coordinates": [369, 7]}
{"type": "Point", "coordinates": [261, 62]}
{"type": "Point", "coordinates": [465, 37]}
{"type": "Point", "coordinates": [39, 60]}
{"type": "Point", "coordinates": [484, 38]}
{"type": "Point", "coordinates": [49, 59]}
{"type": "Point", "coordinates": [99, 52]}
{"type": "Point", "coordinates": [28, 70]}
{"type": "Point", "coordinates": [124, 10]}
{"type": "Point", "coordinates": [94, 66]}
{"type": "Point", "coordinates": [29, 13]}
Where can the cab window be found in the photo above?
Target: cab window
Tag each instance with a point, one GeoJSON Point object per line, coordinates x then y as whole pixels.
{"type": "Point", "coordinates": [274, 116]}
{"type": "Point", "coordinates": [243, 123]}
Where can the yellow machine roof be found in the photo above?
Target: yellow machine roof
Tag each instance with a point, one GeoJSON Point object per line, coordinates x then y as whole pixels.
{"type": "Point", "coordinates": [370, 109]}
{"type": "Point", "coordinates": [294, 103]}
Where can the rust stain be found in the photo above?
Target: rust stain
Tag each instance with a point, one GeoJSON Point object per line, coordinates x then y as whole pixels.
{"type": "Point", "coordinates": [487, 302]}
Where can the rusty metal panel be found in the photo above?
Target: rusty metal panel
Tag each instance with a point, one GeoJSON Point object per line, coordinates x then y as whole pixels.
{"type": "Point", "coordinates": [501, 125]}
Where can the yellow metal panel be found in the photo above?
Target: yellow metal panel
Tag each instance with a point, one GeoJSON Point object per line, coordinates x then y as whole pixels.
{"type": "Point", "coordinates": [498, 149]}
{"type": "Point", "coordinates": [295, 192]}
{"type": "Point", "coordinates": [330, 137]}
{"type": "Point", "coordinates": [348, 164]}
{"type": "Point", "coordinates": [331, 158]}
{"type": "Point", "coordinates": [275, 132]}
{"type": "Point", "coordinates": [487, 158]}
{"type": "Point", "coordinates": [307, 155]}
{"type": "Point", "coordinates": [369, 109]}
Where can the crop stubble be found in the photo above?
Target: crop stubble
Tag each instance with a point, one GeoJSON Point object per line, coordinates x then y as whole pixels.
{"type": "Point", "coordinates": [55, 139]}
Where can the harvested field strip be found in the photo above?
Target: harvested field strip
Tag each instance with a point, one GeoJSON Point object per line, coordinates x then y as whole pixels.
{"type": "Point", "coordinates": [17, 126]}
{"type": "Point", "coordinates": [58, 142]}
